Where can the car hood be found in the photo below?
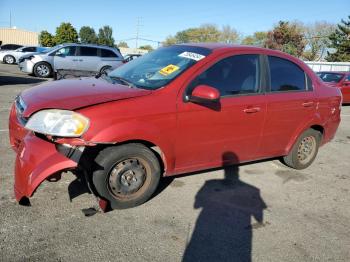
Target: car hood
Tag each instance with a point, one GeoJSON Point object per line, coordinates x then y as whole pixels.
{"type": "Point", "coordinates": [30, 54]}
{"type": "Point", "coordinates": [75, 93]}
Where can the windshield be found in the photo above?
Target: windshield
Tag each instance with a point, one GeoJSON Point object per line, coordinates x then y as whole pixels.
{"type": "Point", "coordinates": [50, 49]}
{"type": "Point", "coordinates": [160, 67]}
{"type": "Point", "coordinates": [330, 77]}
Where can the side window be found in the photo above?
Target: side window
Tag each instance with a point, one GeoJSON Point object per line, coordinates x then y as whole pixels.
{"type": "Point", "coordinates": [348, 78]}
{"type": "Point", "coordinates": [285, 75]}
{"type": "Point", "coordinates": [108, 53]}
{"type": "Point", "coordinates": [234, 75]}
{"type": "Point", "coordinates": [88, 51]}
{"type": "Point", "coordinates": [29, 49]}
{"type": "Point", "coordinates": [66, 51]}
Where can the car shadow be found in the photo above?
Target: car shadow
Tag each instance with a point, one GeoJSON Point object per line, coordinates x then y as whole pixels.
{"type": "Point", "coordinates": [223, 230]}
{"type": "Point", "coordinates": [18, 80]}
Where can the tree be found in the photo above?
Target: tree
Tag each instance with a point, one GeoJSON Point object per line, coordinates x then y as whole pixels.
{"type": "Point", "coordinates": [287, 37]}
{"type": "Point", "coordinates": [257, 39]}
{"type": "Point", "coordinates": [66, 33]}
{"type": "Point", "coordinates": [317, 39]}
{"type": "Point", "coordinates": [228, 35]}
{"type": "Point", "coordinates": [46, 39]}
{"type": "Point", "coordinates": [105, 36]}
{"type": "Point", "coordinates": [123, 44]}
{"type": "Point", "coordinates": [340, 40]}
{"type": "Point", "coordinates": [87, 35]}
{"type": "Point", "coordinates": [146, 47]}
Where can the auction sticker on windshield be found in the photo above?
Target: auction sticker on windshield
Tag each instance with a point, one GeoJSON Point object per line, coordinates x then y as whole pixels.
{"type": "Point", "coordinates": [191, 55]}
{"type": "Point", "coordinates": [169, 69]}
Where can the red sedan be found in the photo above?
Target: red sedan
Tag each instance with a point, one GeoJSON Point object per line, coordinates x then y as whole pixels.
{"type": "Point", "coordinates": [340, 80]}
{"type": "Point", "coordinates": [178, 109]}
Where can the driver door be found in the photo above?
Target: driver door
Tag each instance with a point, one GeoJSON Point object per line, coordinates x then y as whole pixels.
{"type": "Point", "coordinates": [65, 58]}
{"type": "Point", "coordinates": [232, 127]}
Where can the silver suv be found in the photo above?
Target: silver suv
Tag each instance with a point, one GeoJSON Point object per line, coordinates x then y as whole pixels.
{"type": "Point", "coordinates": [74, 57]}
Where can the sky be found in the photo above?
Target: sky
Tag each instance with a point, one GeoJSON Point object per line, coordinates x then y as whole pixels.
{"type": "Point", "coordinates": [159, 19]}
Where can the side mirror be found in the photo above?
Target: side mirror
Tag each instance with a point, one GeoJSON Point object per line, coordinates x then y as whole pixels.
{"type": "Point", "coordinates": [204, 94]}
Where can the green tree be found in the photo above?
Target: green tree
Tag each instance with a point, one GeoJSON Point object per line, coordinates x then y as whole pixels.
{"type": "Point", "coordinates": [287, 37]}
{"type": "Point", "coordinates": [66, 33]}
{"type": "Point", "coordinates": [87, 35]}
{"type": "Point", "coordinates": [123, 44]}
{"type": "Point", "coordinates": [46, 39]}
{"type": "Point", "coordinates": [146, 47]}
{"type": "Point", "coordinates": [340, 40]}
{"type": "Point", "coordinates": [257, 39]}
{"type": "Point", "coordinates": [105, 36]}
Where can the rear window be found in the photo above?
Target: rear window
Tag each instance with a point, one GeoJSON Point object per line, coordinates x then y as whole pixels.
{"type": "Point", "coordinates": [108, 53]}
{"type": "Point", "coordinates": [285, 75]}
{"type": "Point", "coordinates": [88, 51]}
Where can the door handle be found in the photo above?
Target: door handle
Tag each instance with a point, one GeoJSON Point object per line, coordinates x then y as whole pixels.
{"type": "Point", "coordinates": [308, 104]}
{"type": "Point", "coordinates": [251, 110]}
{"type": "Point", "coordinates": [74, 60]}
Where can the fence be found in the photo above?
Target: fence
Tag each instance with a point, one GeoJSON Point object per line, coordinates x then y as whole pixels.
{"type": "Point", "coordinates": [328, 66]}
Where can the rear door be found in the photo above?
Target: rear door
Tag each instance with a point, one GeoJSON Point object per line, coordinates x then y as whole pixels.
{"type": "Point", "coordinates": [291, 103]}
{"type": "Point", "coordinates": [88, 59]}
{"type": "Point", "coordinates": [229, 131]}
{"type": "Point", "coordinates": [64, 58]}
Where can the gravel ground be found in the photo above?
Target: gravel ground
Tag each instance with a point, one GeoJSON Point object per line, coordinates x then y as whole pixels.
{"type": "Point", "coordinates": [267, 213]}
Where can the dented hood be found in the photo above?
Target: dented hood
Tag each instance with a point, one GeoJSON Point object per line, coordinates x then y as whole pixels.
{"type": "Point", "coordinates": [75, 93]}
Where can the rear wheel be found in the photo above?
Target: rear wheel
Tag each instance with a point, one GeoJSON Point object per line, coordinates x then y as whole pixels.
{"type": "Point", "coordinates": [126, 175]}
{"type": "Point", "coordinates": [105, 70]}
{"type": "Point", "coordinates": [9, 59]}
{"type": "Point", "coordinates": [304, 150]}
{"type": "Point", "coordinates": [42, 69]}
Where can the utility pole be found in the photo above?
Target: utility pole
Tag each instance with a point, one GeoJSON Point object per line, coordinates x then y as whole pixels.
{"type": "Point", "coordinates": [138, 25]}
{"type": "Point", "coordinates": [10, 20]}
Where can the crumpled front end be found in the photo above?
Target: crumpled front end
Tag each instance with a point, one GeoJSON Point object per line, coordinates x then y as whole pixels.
{"type": "Point", "coordinates": [37, 160]}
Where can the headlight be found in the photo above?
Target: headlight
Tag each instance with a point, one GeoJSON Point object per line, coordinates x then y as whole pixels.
{"type": "Point", "coordinates": [57, 122]}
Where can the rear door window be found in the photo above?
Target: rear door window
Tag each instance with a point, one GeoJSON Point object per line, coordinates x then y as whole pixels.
{"type": "Point", "coordinates": [285, 75]}
{"type": "Point", "coordinates": [88, 51]}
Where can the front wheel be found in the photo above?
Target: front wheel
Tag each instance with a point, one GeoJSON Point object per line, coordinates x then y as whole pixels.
{"type": "Point", "coordinates": [126, 175]}
{"type": "Point", "coordinates": [304, 150]}
{"type": "Point", "coordinates": [9, 59]}
{"type": "Point", "coordinates": [42, 69]}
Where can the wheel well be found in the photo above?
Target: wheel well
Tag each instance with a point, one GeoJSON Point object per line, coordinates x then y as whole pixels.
{"type": "Point", "coordinates": [155, 149]}
{"type": "Point", "coordinates": [318, 128]}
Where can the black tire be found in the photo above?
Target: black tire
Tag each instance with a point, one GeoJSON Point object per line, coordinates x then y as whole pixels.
{"type": "Point", "coordinates": [42, 69]}
{"type": "Point", "coordinates": [126, 175]}
{"type": "Point", "coordinates": [304, 150]}
{"type": "Point", "coordinates": [9, 59]}
{"type": "Point", "coordinates": [105, 70]}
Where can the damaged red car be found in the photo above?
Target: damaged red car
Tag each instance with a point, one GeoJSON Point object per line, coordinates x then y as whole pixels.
{"type": "Point", "coordinates": [175, 110]}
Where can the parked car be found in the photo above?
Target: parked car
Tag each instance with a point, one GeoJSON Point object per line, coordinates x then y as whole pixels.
{"type": "Point", "coordinates": [178, 109]}
{"type": "Point", "coordinates": [75, 57]}
{"type": "Point", "coordinates": [12, 57]}
{"type": "Point", "coordinates": [8, 47]}
{"type": "Point", "coordinates": [338, 79]}
{"type": "Point", "coordinates": [130, 57]}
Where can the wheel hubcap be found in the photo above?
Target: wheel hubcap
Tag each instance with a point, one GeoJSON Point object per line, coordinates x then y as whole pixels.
{"type": "Point", "coordinates": [306, 149]}
{"type": "Point", "coordinates": [9, 60]}
{"type": "Point", "coordinates": [126, 178]}
{"type": "Point", "coordinates": [42, 70]}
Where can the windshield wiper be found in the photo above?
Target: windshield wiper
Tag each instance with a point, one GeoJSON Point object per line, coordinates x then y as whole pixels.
{"type": "Point", "coordinates": [123, 80]}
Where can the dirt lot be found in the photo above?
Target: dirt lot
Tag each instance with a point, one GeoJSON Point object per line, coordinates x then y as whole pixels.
{"type": "Point", "coordinates": [268, 213]}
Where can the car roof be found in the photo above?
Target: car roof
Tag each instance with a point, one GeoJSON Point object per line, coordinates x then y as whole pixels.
{"type": "Point", "coordinates": [221, 46]}
{"type": "Point", "coordinates": [335, 72]}
{"type": "Point", "coordinates": [91, 45]}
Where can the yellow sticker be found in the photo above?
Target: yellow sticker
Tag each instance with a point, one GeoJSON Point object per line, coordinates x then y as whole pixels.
{"type": "Point", "coordinates": [169, 69]}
